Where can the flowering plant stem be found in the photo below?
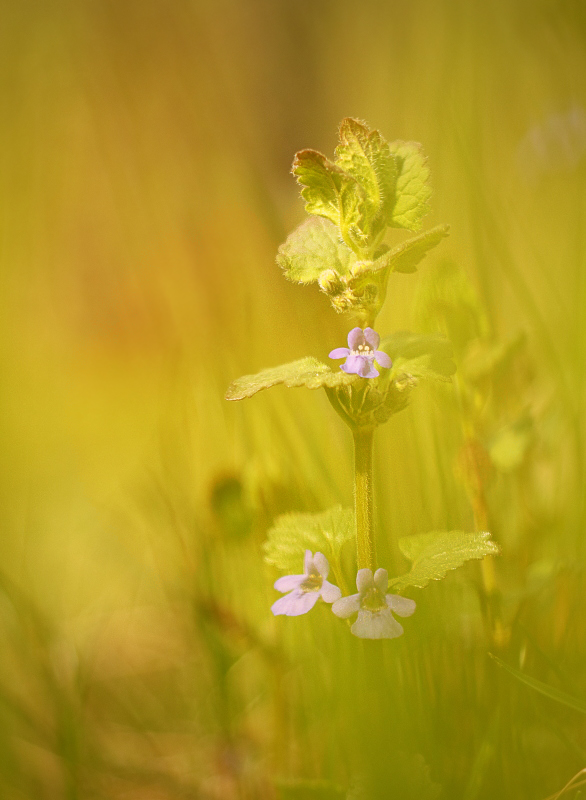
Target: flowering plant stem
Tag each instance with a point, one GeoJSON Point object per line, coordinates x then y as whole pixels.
{"type": "Point", "coordinates": [363, 498]}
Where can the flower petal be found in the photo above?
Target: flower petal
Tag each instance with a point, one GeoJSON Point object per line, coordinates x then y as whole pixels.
{"type": "Point", "coordinates": [376, 625]}
{"type": "Point", "coordinates": [346, 606]}
{"type": "Point", "coordinates": [288, 582]}
{"type": "Point", "coordinates": [383, 359]}
{"type": "Point", "coordinates": [330, 593]}
{"type": "Point", "coordinates": [321, 564]}
{"type": "Point", "coordinates": [381, 580]}
{"type": "Point", "coordinates": [307, 562]}
{"type": "Point", "coordinates": [355, 365]}
{"type": "Point", "coordinates": [340, 352]}
{"type": "Point", "coordinates": [403, 606]}
{"type": "Point", "coordinates": [364, 580]}
{"type": "Point", "coordinates": [372, 338]}
{"type": "Point", "coordinates": [295, 603]}
{"type": "Point", "coordinates": [355, 337]}
{"type": "Point", "coordinates": [368, 369]}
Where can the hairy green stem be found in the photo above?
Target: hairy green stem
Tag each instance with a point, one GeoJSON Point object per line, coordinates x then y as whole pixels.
{"type": "Point", "coordinates": [364, 498]}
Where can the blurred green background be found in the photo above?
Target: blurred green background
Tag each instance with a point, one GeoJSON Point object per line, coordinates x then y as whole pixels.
{"type": "Point", "coordinates": [145, 148]}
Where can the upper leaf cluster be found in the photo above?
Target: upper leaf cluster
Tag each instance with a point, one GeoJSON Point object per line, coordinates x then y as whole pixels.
{"type": "Point", "coordinates": [370, 186]}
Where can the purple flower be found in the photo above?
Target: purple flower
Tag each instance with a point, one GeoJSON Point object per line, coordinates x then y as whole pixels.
{"type": "Point", "coordinates": [361, 353]}
{"type": "Point", "coordinates": [305, 590]}
{"type": "Point", "coordinates": [374, 607]}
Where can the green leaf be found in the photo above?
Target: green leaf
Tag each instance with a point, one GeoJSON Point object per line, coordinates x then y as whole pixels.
{"type": "Point", "coordinates": [362, 287]}
{"type": "Point", "coordinates": [366, 155]}
{"type": "Point", "coordinates": [307, 372]}
{"type": "Point", "coordinates": [311, 249]}
{"type": "Point", "coordinates": [407, 256]}
{"type": "Point", "coordinates": [293, 534]}
{"type": "Point", "coordinates": [413, 192]}
{"type": "Point", "coordinates": [420, 355]}
{"type": "Point", "coordinates": [329, 191]}
{"type": "Point", "coordinates": [435, 554]}
{"type": "Point", "coordinates": [544, 688]}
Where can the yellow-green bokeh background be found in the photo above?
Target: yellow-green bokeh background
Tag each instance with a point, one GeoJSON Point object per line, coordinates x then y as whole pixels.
{"type": "Point", "coordinates": [145, 150]}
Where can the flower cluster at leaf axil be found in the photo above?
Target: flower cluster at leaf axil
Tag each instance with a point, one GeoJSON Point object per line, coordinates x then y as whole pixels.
{"type": "Point", "coordinates": [372, 604]}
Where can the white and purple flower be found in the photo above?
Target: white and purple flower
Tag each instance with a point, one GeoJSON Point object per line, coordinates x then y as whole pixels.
{"type": "Point", "coordinates": [305, 590]}
{"type": "Point", "coordinates": [374, 607]}
{"type": "Point", "coordinates": [361, 353]}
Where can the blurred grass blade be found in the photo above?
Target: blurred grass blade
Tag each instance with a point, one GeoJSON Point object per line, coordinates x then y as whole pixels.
{"type": "Point", "coordinates": [483, 759]}
{"type": "Point", "coordinates": [543, 688]}
{"type": "Point", "coordinates": [570, 786]}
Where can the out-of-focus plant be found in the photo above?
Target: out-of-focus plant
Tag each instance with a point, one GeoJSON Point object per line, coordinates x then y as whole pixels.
{"type": "Point", "coordinates": [492, 385]}
{"type": "Point", "coordinates": [371, 185]}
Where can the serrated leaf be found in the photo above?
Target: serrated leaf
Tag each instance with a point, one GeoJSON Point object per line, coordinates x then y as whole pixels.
{"type": "Point", "coordinates": [412, 192]}
{"type": "Point", "coordinates": [364, 289]}
{"type": "Point", "coordinates": [328, 191]}
{"type": "Point", "coordinates": [407, 255]}
{"type": "Point", "coordinates": [435, 554]}
{"type": "Point", "coordinates": [293, 534]}
{"type": "Point", "coordinates": [365, 155]}
{"type": "Point", "coordinates": [308, 372]}
{"type": "Point", "coordinates": [420, 355]}
{"type": "Point", "coordinates": [313, 247]}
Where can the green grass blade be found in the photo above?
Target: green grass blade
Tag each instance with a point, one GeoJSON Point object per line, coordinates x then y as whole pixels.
{"type": "Point", "coordinates": [543, 688]}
